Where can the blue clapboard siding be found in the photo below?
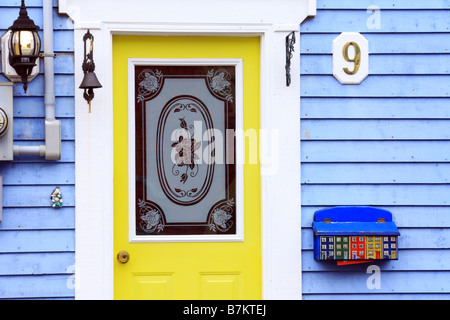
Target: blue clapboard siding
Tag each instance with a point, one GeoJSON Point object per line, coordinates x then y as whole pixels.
{"type": "Point", "coordinates": [355, 282]}
{"type": "Point", "coordinates": [376, 129]}
{"type": "Point", "coordinates": [391, 21]}
{"type": "Point", "coordinates": [37, 242]}
{"type": "Point", "coordinates": [377, 86]}
{"type": "Point", "coordinates": [382, 143]}
{"type": "Point", "coordinates": [39, 218]}
{"type": "Point", "coordinates": [29, 3]}
{"type": "Point", "coordinates": [35, 263]}
{"type": "Point", "coordinates": [33, 129]}
{"type": "Point", "coordinates": [374, 108]}
{"type": "Point", "coordinates": [32, 107]}
{"type": "Point", "coordinates": [411, 260]}
{"type": "Point", "coordinates": [36, 286]}
{"type": "Point", "coordinates": [381, 43]}
{"type": "Point", "coordinates": [378, 195]}
{"type": "Point", "coordinates": [375, 151]}
{"type": "Point", "coordinates": [386, 4]}
{"type": "Point", "coordinates": [384, 64]}
{"type": "Point", "coordinates": [376, 173]}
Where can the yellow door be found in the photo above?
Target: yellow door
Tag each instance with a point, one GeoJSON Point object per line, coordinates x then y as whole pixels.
{"type": "Point", "coordinates": [187, 270]}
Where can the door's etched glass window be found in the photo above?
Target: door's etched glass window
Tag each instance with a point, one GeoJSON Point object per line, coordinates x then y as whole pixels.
{"type": "Point", "coordinates": [185, 143]}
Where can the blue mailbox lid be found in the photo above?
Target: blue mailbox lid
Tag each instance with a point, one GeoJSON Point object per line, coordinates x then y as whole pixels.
{"type": "Point", "coordinates": [354, 221]}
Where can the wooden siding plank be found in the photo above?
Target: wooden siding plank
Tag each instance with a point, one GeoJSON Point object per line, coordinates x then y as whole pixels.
{"type": "Point", "coordinates": [45, 286]}
{"type": "Point", "coordinates": [64, 41]}
{"type": "Point", "coordinates": [375, 195]}
{"type": "Point", "coordinates": [9, 14]}
{"type": "Point", "coordinates": [375, 108]}
{"type": "Point", "coordinates": [34, 107]}
{"type": "Point", "coordinates": [65, 86]}
{"type": "Point", "coordinates": [375, 173]}
{"type": "Point", "coordinates": [393, 4]}
{"type": "Point", "coordinates": [64, 64]}
{"type": "Point", "coordinates": [375, 151]}
{"type": "Point", "coordinates": [35, 196]}
{"type": "Point", "coordinates": [391, 282]}
{"type": "Point", "coordinates": [29, 3]}
{"type": "Point", "coordinates": [382, 64]}
{"type": "Point", "coordinates": [36, 263]}
{"type": "Point", "coordinates": [404, 216]}
{"type": "Point", "coordinates": [417, 238]}
{"type": "Point", "coordinates": [34, 129]}
{"type": "Point", "coordinates": [378, 296]}
{"type": "Point", "coordinates": [38, 218]}
{"type": "Point", "coordinates": [382, 43]}
{"type": "Point", "coordinates": [409, 260]}
{"type": "Point", "coordinates": [375, 129]}
{"type": "Point", "coordinates": [377, 86]}
{"type": "Point", "coordinates": [390, 21]}
{"type": "Point", "coordinates": [37, 241]}
{"type": "Point", "coordinates": [37, 173]}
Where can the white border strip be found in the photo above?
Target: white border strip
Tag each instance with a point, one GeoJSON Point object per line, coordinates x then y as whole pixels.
{"type": "Point", "coordinates": [239, 236]}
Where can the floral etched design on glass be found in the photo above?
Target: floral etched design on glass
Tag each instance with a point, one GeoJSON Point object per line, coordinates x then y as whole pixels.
{"type": "Point", "coordinates": [219, 82]}
{"type": "Point", "coordinates": [149, 83]}
{"type": "Point", "coordinates": [150, 217]}
{"type": "Point", "coordinates": [185, 153]}
{"type": "Point", "coordinates": [220, 218]}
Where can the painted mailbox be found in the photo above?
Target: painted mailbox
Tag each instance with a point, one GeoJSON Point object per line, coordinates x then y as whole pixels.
{"type": "Point", "coordinates": [355, 233]}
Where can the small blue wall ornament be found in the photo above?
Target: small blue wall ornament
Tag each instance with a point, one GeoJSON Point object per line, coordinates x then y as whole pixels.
{"type": "Point", "coordinates": [56, 197]}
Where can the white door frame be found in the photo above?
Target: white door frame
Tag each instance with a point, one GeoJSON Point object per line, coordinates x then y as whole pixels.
{"type": "Point", "coordinates": [272, 21]}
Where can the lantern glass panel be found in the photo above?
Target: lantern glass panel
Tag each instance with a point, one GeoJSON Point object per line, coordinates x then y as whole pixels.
{"type": "Point", "coordinates": [24, 43]}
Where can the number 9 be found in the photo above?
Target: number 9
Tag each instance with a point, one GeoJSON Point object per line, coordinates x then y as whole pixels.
{"type": "Point", "coordinates": [356, 60]}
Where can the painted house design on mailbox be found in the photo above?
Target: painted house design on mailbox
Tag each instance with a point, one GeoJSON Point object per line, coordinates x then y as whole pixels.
{"type": "Point", "coordinates": [327, 248]}
{"type": "Point", "coordinates": [390, 247]}
{"type": "Point", "coordinates": [373, 247]}
{"type": "Point", "coordinates": [355, 233]}
{"type": "Point", "coordinates": [342, 245]}
{"type": "Point", "coordinates": [357, 248]}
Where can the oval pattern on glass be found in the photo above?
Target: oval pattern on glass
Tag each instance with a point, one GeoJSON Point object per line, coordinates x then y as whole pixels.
{"type": "Point", "coordinates": [183, 175]}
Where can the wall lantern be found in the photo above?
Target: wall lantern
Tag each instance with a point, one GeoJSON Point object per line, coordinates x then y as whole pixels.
{"type": "Point", "coordinates": [90, 81]}
{"type": "Point", "coordinates": [24, 46]}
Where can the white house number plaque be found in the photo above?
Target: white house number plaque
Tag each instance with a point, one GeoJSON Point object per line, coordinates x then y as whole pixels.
{"type": "Point", "coordinates": [350, 58]}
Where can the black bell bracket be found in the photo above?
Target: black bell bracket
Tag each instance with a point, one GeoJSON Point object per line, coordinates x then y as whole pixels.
{"type": "Point", "coordinates": [290, 41]}
{"type": "Point", "coordinates": [90, 81]}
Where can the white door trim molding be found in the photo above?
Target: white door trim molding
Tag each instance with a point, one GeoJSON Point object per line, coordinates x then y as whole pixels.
{"type": "Point", "coordinates": [280, 127]}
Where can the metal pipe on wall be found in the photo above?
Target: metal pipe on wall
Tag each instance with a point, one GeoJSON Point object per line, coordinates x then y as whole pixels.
{"type": "Point", "coordinates": [29, 150]}
{"type": "Point", "coordinates": [49, 99]}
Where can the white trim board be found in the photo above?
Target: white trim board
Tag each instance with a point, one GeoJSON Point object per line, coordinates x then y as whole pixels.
{"type": "Point", "coordinates": [280, 113]}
